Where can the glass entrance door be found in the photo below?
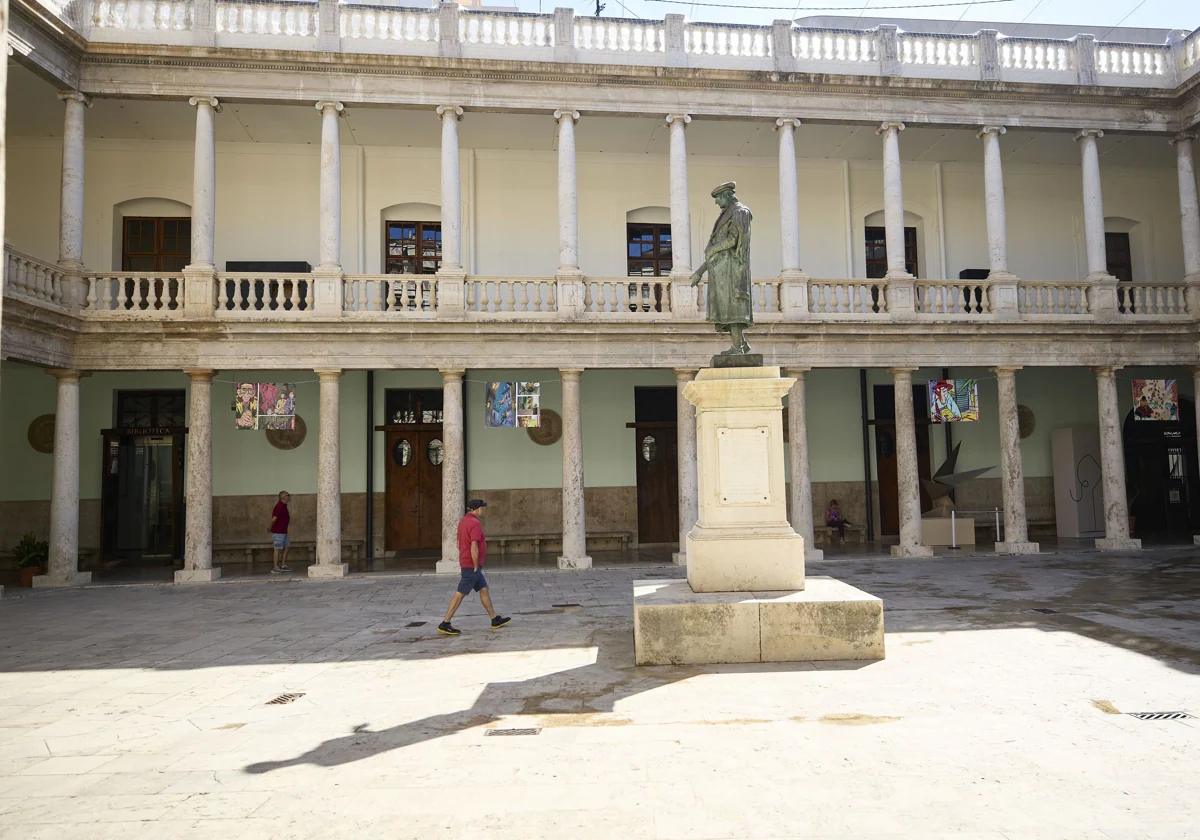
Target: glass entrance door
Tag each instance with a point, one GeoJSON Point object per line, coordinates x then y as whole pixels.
{"type": "Point", "coordinates": [146, 498]}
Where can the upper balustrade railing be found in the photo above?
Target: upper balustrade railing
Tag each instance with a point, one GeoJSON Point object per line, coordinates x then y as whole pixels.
{"type": "Point", "coordinates": [452, 31]}
{"type": "Point", "coordinates": [149, 296]}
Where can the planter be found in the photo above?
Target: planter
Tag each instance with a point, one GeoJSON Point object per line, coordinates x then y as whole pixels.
{"type": "Point", "coordinates": [28, 573]}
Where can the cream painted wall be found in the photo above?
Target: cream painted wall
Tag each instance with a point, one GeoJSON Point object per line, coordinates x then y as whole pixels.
{"type": "Point", "coordinates": [267, 206]}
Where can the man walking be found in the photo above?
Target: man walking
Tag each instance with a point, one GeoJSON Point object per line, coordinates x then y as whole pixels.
{"type": "Point", "coordinates": [280, 517]}
{"type": "Point", "coordinates": [472, 550]}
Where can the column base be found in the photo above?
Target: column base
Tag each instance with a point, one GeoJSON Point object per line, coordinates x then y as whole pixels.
{"type": "Point", "coordinates": [69, 579]}
{"type": "Point", "coordinates": [811, 554]}
{"type": "Point", "coordinates": [912, 551]}
{"type": "Point", "coordinates": [1017, 548]}
{"type": "Point", "coordinates": [1107, 544]}
{"type": "Point", "coordinates": [447, 567]}
{"type": "Point", "coordinates": [197, 575]}
{"type": "Point", "coordinates": [328, 570]}
{"type": "Point", "coordinates": [575, 562]}
{"type": "Point", "coordinates": [679, 558]}
{"type": "Point", "coordinates": [1196, 539]}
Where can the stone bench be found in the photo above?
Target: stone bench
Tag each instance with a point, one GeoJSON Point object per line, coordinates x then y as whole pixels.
{"type": "Point", "coordinates": [307, 549]}
{"type": "Point", "coordinates": [503, 541]}
{"type": "Point", "coordinates": [828, 533]}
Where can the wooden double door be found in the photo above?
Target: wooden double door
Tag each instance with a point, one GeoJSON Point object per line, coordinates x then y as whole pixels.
{"type": "Point", "coordinates": [413, 500]}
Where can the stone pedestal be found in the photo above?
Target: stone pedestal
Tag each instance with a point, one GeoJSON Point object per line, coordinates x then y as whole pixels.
{"type": "Point", "coordinates": [745, 598]}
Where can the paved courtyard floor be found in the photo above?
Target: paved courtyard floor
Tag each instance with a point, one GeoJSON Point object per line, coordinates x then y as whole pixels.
{"type": "Point", "coordinates": [1000, 712]}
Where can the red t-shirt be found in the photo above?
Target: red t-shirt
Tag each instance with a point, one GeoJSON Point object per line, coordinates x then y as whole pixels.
{"type": "Point", "coordinates": [282, 517]}
{"type": "Point", "coordinates": [470, 530]}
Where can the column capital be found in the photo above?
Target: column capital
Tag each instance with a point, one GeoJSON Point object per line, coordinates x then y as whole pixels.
{"type": "Point", "coordinates": [570, 374]}
{"type": "Point", "coordinates": [449, 375]}
{"type": "Point", "coordinates": [796, 371]}
{"type": "Point", "coordinates": [888, 125]}
{"type": "Point", "coordinates": [210, 101]}
{"type": "Point", "coordinates": [566, 112]}
{"type": "Point", "coordinates": [455, 111]}
{"type": "Point", "coordinates": [903, 371]}
{"type": "Point", "coordinates": [1106, 370]}
{"type": "Point", "coordinates": [685, 374]}
{"type": "Point", "coordinates": [1005, 370]}
{"type": "Point", "coordinates": [200, 374]}
{"type": "Point", "coordinates": [1088, 132]}
{"type": "Point", "coordinates": [76, 96]}
{"type": "Point", "coordinates": [328, 373]}
{"type": "Point", "coordinates": [990, 129]}
{"type": "Point", "coordinates": [1183, 137]}
{"type": "Point", "coordinates": [66, 374]}
{"type": "Point", "coordinates": [685, 118]}
{"type": "Point", "coordinates": [782, 121]}
{"type": "Point", "coordinates": [330, 103]}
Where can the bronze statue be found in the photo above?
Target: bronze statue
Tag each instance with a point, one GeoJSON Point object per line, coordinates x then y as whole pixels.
{"type": "Point", "coordinates": [727, 261]}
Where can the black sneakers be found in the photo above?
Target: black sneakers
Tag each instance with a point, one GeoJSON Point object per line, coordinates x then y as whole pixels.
{"type": "Point", "coordinates": [446, 629]}
{"type": "Point", "coordinates": [499, 621]}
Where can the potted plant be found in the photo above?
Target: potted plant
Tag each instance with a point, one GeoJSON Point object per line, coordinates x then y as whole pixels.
{"type": "Point", "coordinates": [31, 555]}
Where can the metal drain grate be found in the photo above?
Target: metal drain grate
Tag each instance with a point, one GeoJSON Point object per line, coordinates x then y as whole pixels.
{"type": "Point", "coordinates": [416, 624]}
{"type": "Point", "coordinates": [284, 698]}
{"type": "Point", "coordinates": [564, 605]}
{"type": "Point", "coordinates": [1161, 715]}
{"type": "Point", "coordinates": [513, 731]}
{"type": "Point", "coordinates": [1045, 610]}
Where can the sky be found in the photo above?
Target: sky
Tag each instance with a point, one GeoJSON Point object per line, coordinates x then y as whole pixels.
{"type": "Point", "coordinates": [1093, 16]}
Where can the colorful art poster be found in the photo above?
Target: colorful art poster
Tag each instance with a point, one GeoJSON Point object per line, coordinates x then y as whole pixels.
{"type": "Point", "coordinates": [954, 400]}
{"type": "Point", "coordinates": [1155, 399]}
{"type": "Point", "coordinates": [499, 406]}
{"type": "Point", "coordinates": [277, 406]}
{"type": "Point", "coordinates": [529, 405]}
{"type": "Point", "coordinates": [245, 405]}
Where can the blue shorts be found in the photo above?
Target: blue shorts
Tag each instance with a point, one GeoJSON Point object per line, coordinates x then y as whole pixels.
{"type": "Point", "coordinates": [281, 541]}
{"type": "Point", "coordinates": [471, 580]}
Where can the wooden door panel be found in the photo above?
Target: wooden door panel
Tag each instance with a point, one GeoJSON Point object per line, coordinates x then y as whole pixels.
{"type": "Point", "coordinates": [430, 490]}
{"type": "Point", "coordinates": [402, 487]}
{"type": "Point", "coordinates": [656, 451]}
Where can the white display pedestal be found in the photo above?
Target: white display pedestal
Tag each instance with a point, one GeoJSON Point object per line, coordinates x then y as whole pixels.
{"type": "Point", "coordinates": [745, 599]}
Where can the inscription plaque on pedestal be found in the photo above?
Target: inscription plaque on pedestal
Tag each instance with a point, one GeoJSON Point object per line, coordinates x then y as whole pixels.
{"type": "Point", "coordinates": [743, 459]}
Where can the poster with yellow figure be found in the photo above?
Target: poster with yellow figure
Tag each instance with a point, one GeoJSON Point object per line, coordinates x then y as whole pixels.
{"type": "Point", "coordinates": [954, 400]}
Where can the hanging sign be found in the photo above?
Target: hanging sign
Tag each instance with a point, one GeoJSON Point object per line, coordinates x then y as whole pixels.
{"type": "Point", "coordinates": [509, 405]}
{"type": "Point", "coordinates": [954, 400]}
{"type": "Point", "coordinates": [1155, 399]}
{"type": "Point", "coordinates": [264, 405]}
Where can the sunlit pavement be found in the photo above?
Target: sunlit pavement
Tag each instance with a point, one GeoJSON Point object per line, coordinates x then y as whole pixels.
{"type": "Point", "coordinates": [1001, 711]}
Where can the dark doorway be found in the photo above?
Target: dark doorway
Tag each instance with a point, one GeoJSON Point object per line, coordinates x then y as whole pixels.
{"type": "Point", "coordinates": [656, 454]}
{"type": "Point", "coordinates": [142, 484]}
{"type": "Point", "coordinates": [1119, 261]}
{"type": "Point", "coordinates": [413, 475]}
{"type": "Point", "coordinates": [876, 245]}
{"type": "Point", "coordinates": [1161, 474]}
{"type": "Point", "coordinates": [885, 454]}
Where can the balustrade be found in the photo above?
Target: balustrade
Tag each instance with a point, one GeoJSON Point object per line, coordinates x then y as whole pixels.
{"type": "Point", "coordinates": [33, 279]}
{"type": "Point", "coordinates": [1037, 54]}
{"type": "Point", "coordinates": [939, 50]}
{"type": "Point", "coordinates": [834, 45]}
{"type": "Point", "coordinates": [618, 35]}
{"type": "Point", "coordinates": [950, 297]}
{"type": "Point", "coordinates": [1132, 59]}
{"type": "Point", "coordinates": [1054, 298]}
{"type": "Point", "coordinates": [279, 17]}
{"type": "Point", "coordinates": [388, 23]}
{"type": "Point", "coordinates": [1191, 54]}
{"type": "Point", "coordinates": [143, 14]}
{"type": "Point", "coordinates": [511, 295]}
{"type": "Point", "coordinates": [847, 297]}
{"type": "Point", "coordinates": [631, 296]}
{"type": "Point", "coordinates": [265, 295]}
{"type": "Point", "coordinates": [505, 29]}
{"type": "Point", "coordinates": [134, 293]}
{"type": "Point", "coordinates": [1155, 300]}
{"type": "Point", "coordinates": [727, 39]}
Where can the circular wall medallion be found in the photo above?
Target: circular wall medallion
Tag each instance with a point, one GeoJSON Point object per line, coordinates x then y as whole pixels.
{"type": "Point", "coordinates": [288, 438]}
{"type": "Point", "coordinates": [550, 429]}
{"type": "Point", "coordinates": [41, 434]}
{"type": "Point", "coordinates": [1026, 421]}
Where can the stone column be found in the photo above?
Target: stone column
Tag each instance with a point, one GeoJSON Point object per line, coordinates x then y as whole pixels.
{"type": "Point", "coordinates": [1189, 206]}
{"type": "Point", "coordinates": [64, 493]}
{"type": "Point", "coordinates": [197, 538]}
{"type": "Point", "coordinates": [908, 491]}
{"type": "Point", "coordinates": [452, 263]}
{"type": "Point", "coordinates": [1012, 476]}
{"type": "Point", "coordinates": [993, 197]}
{"type": "Point", "coordinates": [1093, 206]}
{"type": "Point", "coordinates": [568, 196]}
{"type": "Point", "coordinates": [331, 188]}
{"type": "Point", "coordinates": [329, 482]}
{"type": "Point", "coordinates": [199, 276]}
{"type": "Point", "coordinates": [1196, 392]}
{"type": "Point", "coordinates": [681, 217]}
{"type": "Point", "coordinates": [789, 197]}
{"type": "Point", "coordinates": [574, 554]}
{"type": "Point", "coordinates": [686, 460]}
{"type": "Point", "coordinates": [70, 224]}
{"type": "Point", "coordinates": [893, 199]}
{"type": "Point", "coordinates": [801, 490]}
{"type": "Point", "coordinates": [1112, 465]}
{"type": "Point", "coordinates": [454, 501]}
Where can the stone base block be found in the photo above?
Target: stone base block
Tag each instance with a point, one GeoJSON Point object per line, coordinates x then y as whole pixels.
{"type": "Point", "coordinates": [912, 551]}
{"type": "Point", "coordinates": [1107, 544]}
{"type": "Point", "coordinates": [69, 579]}
{"type": "Point", "coordinates": [447, 567]}
{"type": "Point", "coordinates": [747, 563]}
{"type": "Point", "coordinates": [328, 570]}
{"type": "Point", "coordinates": [679, 558]}
{"type": "Point", "coordinates": [197, 575]}
{"type": "Point", "coordinates": [1196, 539]}
{"type": "Point", "coordinates": [584, 562]}
{"type": "Point", "coordinates": [828, 620]}
{"type": "Point", "coordinates": [812, 555]}
{"type": "Point", "coordinates": [1017, 548]}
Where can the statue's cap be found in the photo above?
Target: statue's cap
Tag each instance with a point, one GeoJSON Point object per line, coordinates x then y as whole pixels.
{"type": "Point", "coordinates": [728, 186]}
